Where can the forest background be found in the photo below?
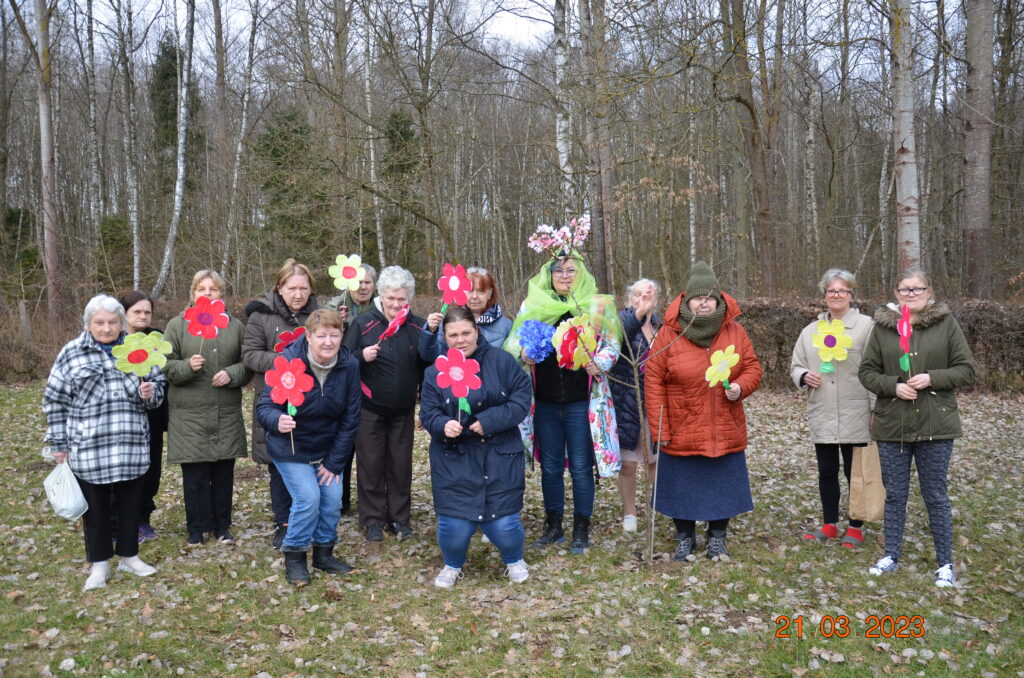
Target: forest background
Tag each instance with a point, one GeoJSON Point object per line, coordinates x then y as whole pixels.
{"type": "Point", "coordinates": [142, 141]}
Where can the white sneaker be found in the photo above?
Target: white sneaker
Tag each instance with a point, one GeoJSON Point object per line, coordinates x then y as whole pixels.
{"type": "Point", "coordinates": [944, 577]}
{"type": "Point", "coordinates": [518, 572]}
{"type": "Point", "coordinates": [135, 565]}
{"type": "Point", "coordinates": [629, 523]}
{"type": "Point", "coordinates": [884, 565]}
{"type": "Point", "coordinates": [97, 576]}
{"type": "Point", "coordinates": [447, 577]}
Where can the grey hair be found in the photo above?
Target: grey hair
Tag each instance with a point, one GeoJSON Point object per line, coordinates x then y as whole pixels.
{"type": "Point", "coordinates": [642, 281]}
{"type": "Point", "coordinates": [103, 302]}
{"type": "Point", "coordinates": [841, 274]}
{"type": "Point", "coordinates": [912, 273]}
{"type": "Point", "coordinates": [396, 278]}
{"type": "Point", "coordinates": [370, 271]}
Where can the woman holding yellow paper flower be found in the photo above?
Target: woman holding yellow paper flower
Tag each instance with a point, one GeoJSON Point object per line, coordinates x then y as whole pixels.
{"type": "Point", "coordinates": [825, 363]}
{"type": "Point", "coordinates": [573, 417]}
{"type": "Point", "coordinates": [702, 365]}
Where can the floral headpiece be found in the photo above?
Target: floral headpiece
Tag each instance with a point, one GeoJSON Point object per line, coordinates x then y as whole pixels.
{"type": "Point", "coordinates": [565, 239]}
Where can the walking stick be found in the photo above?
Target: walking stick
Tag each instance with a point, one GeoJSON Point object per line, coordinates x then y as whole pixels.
{"type": "Point", "coordinates": [654, 493]}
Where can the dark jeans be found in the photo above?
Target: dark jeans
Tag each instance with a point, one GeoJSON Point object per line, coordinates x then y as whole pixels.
{"type": "Point", "coordinates": [346, 486]}
{"type": "Point", "coordinates": [563, 430]}
{"type": "Point", "coordinates": [208, 488]}
{"type": "Point", "coordinates": [97, 521]}
{"type": "Point", "coordinates": [690, 526]}
{"type": "Point", "coordinates": [151, 478]}
{"type": "Point", "coordinates": [384, 483]}
{"type": "Point", "coordinates": [828, 479]}
{"type": "Point", "coordinates": [280, 499]}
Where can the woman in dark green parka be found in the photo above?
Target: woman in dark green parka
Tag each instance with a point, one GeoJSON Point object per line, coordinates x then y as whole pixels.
{"type": "Point", "coordinates": [206, 432]}
{"type": "Point", "coordinates": [915, 416]}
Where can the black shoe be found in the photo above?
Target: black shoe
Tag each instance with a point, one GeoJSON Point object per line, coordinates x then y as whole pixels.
{"type": "Point", "coordinates": [196, 539]}
{"type": "Point", "coordinates": [323, 559]}
{"type": "Point", "coordinates": [716, 545]}
{"type": "Point", "coordinates": [374, 532]}
{"type": "Point", "coordinates": [684, 546]}
{"type": "Point", "coordinates": [580, 533]}
{"type": "Point", "coordinates": [402, 532]}
{"type": "Point", "coordinates": [224, 537]}
{"type": "Point", "coordinates": [295, 568]}
{"type": "Point", "coordinates": [552, 530]}
{"type": "Point", "coordinates": [279, 534]}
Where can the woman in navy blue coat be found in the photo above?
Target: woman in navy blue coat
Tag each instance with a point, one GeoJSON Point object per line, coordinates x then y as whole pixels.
{"type": "Point", "coordinates": [311, 448]}
{"type": "Point", "coordinates": [477, 463]}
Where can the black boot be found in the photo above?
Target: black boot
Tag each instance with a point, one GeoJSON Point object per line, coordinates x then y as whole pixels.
{"type": "Point", "coordinates": [684, 546]}
{"type": "Point", "coordinates": [295, 568]}
{"type": "Point", "coordinates": [716, 545]}
{"type": "Point", "coordinates": [552, 530]}
{"type": "Point", "coordinates": [280, 531]}
{"type": "Point", "coordinates": [580, 533]}
{"type": "Point", "coordinates": [323, 559]}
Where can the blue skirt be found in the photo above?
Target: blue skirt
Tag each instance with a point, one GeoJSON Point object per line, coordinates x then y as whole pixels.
{"type": "Point", "coordinates": [703, 488]}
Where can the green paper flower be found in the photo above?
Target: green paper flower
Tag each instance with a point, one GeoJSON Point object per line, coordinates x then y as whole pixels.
{"type": "Point", "coordinates": [141, 352]}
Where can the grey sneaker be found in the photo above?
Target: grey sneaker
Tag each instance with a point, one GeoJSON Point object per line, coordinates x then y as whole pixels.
{"type": "Point", "coordinates": [716, 548]}
{"type": "Point", "coordinates": [447, 577]}
{"type": "Point", "coordinates": [684, 547]}
{"type": "Point", "coordinates": [518, 572]}
{"type": "Point", "coordinates": [884, 565]}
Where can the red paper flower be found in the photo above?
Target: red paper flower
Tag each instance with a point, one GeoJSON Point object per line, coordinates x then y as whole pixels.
{"type": "Point", "coordinates": [395, 323]}
{"type": "Point", "coordinates": [206, 318]}
{"type": "Point", "coordinates": [904, 328]}
{"type": "Point", "coordinates": [289, 381]}
{"type": "Point", "coordinates": [286, 338]}
{"type": "Point", "coordinates": [457, 372]}
{"type": "Point", "coordinates": [454, 284]}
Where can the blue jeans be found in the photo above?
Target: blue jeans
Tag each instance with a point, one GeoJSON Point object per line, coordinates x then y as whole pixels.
{"type": "Point", "coordinates": [564, 429]}
{"type": "Point", "coordinates": [453, 535]}
{"type": "Point", "coordinates": [315, 510]}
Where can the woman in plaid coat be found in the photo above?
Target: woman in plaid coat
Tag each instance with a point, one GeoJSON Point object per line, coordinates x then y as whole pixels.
{"type": "Point", "coordinates": [96, 422]}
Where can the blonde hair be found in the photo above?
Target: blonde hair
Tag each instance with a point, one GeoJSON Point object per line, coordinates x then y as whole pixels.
{"type": "Point", "coordinates": [324, 317]}
{"type": "Point", "coordinates": [291, 267]}
{"type": "Point", "coordinates": [202, 275]}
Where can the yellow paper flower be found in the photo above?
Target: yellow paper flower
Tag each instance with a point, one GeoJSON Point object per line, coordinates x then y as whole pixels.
{"type": "Point", "coordinates": [722, 363]}
{"type": "Point", "coordinates": [574, 341]}
{"type": "Point", "coordinates": [140, 352]}
{"type": "Point", "coordinates": [831, 340]}
{"type": "Point", "coordinates": [347, 272]}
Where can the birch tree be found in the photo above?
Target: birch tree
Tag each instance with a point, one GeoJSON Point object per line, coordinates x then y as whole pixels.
{"type": "Point", "coordinates": [908, 198]}
{"type": "Point", "coordinates": [977, 149]}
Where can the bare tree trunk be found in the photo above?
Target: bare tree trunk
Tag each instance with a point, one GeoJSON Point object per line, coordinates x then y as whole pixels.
{"type": "Point", "coordinates": [908, 198]}
{"type": "Point", "coordinates": [179, 183]}
{"type": "Point", "coordinates": [40, 50]}
{"type": "Point", "coordinates": [371, 133]}
{"type": "Point", "coordinates": [593, 23]}
{"type": "Point", "coordinates": [221, 145]}
{"type": "Point", "coordinates": [96, 201]}
{"type": "Point", "coordinates": [5, 107]}
{"type": "Point", "coordinates": [563, 119]}
{"type": "Point", "coordinates": [126, 48]}
{"type": "Point", "coordinates": [977, 149]}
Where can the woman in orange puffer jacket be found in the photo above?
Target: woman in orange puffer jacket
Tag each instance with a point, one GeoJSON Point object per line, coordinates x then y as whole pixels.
{"type": "Point", "coordinates": [703, 431]}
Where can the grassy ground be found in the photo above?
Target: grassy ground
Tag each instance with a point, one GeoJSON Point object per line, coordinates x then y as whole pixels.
{"type": "Point", "coordinates": [227, 611]}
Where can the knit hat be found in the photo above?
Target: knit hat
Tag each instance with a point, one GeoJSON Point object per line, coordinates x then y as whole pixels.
{"type": "Point", "coordinates": [703, 283]}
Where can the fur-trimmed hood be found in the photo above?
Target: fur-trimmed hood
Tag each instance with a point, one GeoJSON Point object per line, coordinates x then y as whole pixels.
{"type": "Point", "coordinates": [889, 315]}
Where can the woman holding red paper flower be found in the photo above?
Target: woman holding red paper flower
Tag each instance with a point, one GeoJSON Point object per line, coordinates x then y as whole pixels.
{"type": "Point", "coordinates": [573, 415]}
{"type": "Point", "coordinates": [699, 424]}
{"type": "Point", "coordinates": [914, 367]}
{"type": "Point", "coordinates": [206, 432]}
{"type": "Point", "coordinates": [310, 410]}
{"type": "Point", "coordinates": [283, 308]}
{"type": "Point", "coordinates": [385, 342]}
{"type": "Point", "coordinates": [476, 459]}
{"type": "Point", "coordinates": [482, 300]}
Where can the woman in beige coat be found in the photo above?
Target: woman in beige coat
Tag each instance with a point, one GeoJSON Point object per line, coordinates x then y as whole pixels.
{"type": "Point", "coordinates": [825, 362]}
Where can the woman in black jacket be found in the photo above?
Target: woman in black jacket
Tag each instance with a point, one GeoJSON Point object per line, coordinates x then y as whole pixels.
{"type": "Point", "coordinates": [476, 459]}
{"type": "Point", "coordinates": [311, 447]}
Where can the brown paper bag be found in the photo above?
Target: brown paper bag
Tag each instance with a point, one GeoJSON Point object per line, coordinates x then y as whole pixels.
{"type": "Point", "coordinates": [867, 494]}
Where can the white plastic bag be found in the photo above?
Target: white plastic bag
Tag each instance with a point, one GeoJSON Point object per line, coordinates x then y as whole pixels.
{"type": "Point", "coordinates": [64, 493]}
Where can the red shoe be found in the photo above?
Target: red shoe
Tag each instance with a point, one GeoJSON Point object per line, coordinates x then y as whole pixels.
{"type": "Point", "coordinates": [853, 538]}
{"type": "Point", "coordinates": [821, 534]}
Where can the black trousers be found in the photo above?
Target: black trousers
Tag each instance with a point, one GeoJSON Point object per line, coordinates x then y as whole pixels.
{"type": "Point", "coordinates": [280, 499]}
{"type": "Point", "coordinates": [828, 479]}
{"type": "Point", "coordinates": [97, 520]}
{"type": "Point", "coordinates": [151, 478]}
{"type": "Point", "coordinates": [208, 488]}
{"type": "Point", "coordinates": [690, 526]}
{"type": "Point", "coordinates": [384, 449]}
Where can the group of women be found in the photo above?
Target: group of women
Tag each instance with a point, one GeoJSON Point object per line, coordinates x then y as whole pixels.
{"type": "Point", "coordinates": [633, 389]}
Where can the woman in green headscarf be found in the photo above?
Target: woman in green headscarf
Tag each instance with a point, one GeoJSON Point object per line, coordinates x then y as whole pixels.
{"type": "Point", "coordinates": [573, 417]}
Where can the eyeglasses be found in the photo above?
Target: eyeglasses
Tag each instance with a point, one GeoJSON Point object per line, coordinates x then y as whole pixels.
{"type": "Point", "coordinates": [911, 291]}
{"type": "Point", "coordinates": [838, 293]}
{"type": "Point", "coordinates": [564, 272]}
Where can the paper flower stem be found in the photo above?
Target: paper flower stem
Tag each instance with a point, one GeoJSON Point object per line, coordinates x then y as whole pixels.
{"type": "Point", "coordinates": [201, 340]}
{"type": "Point", "coordinates": [725, 384]}
{"type": "Point", "coordinates": [905, 362]}
{"type": "Point", "coordinates": [292, 436]}
{"type": "Point", "coordinates": [444, 308]}
{"type": "Point", "coordinates": [291, 413]}
{"type": "Point", "coordinates": [828, 367]}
